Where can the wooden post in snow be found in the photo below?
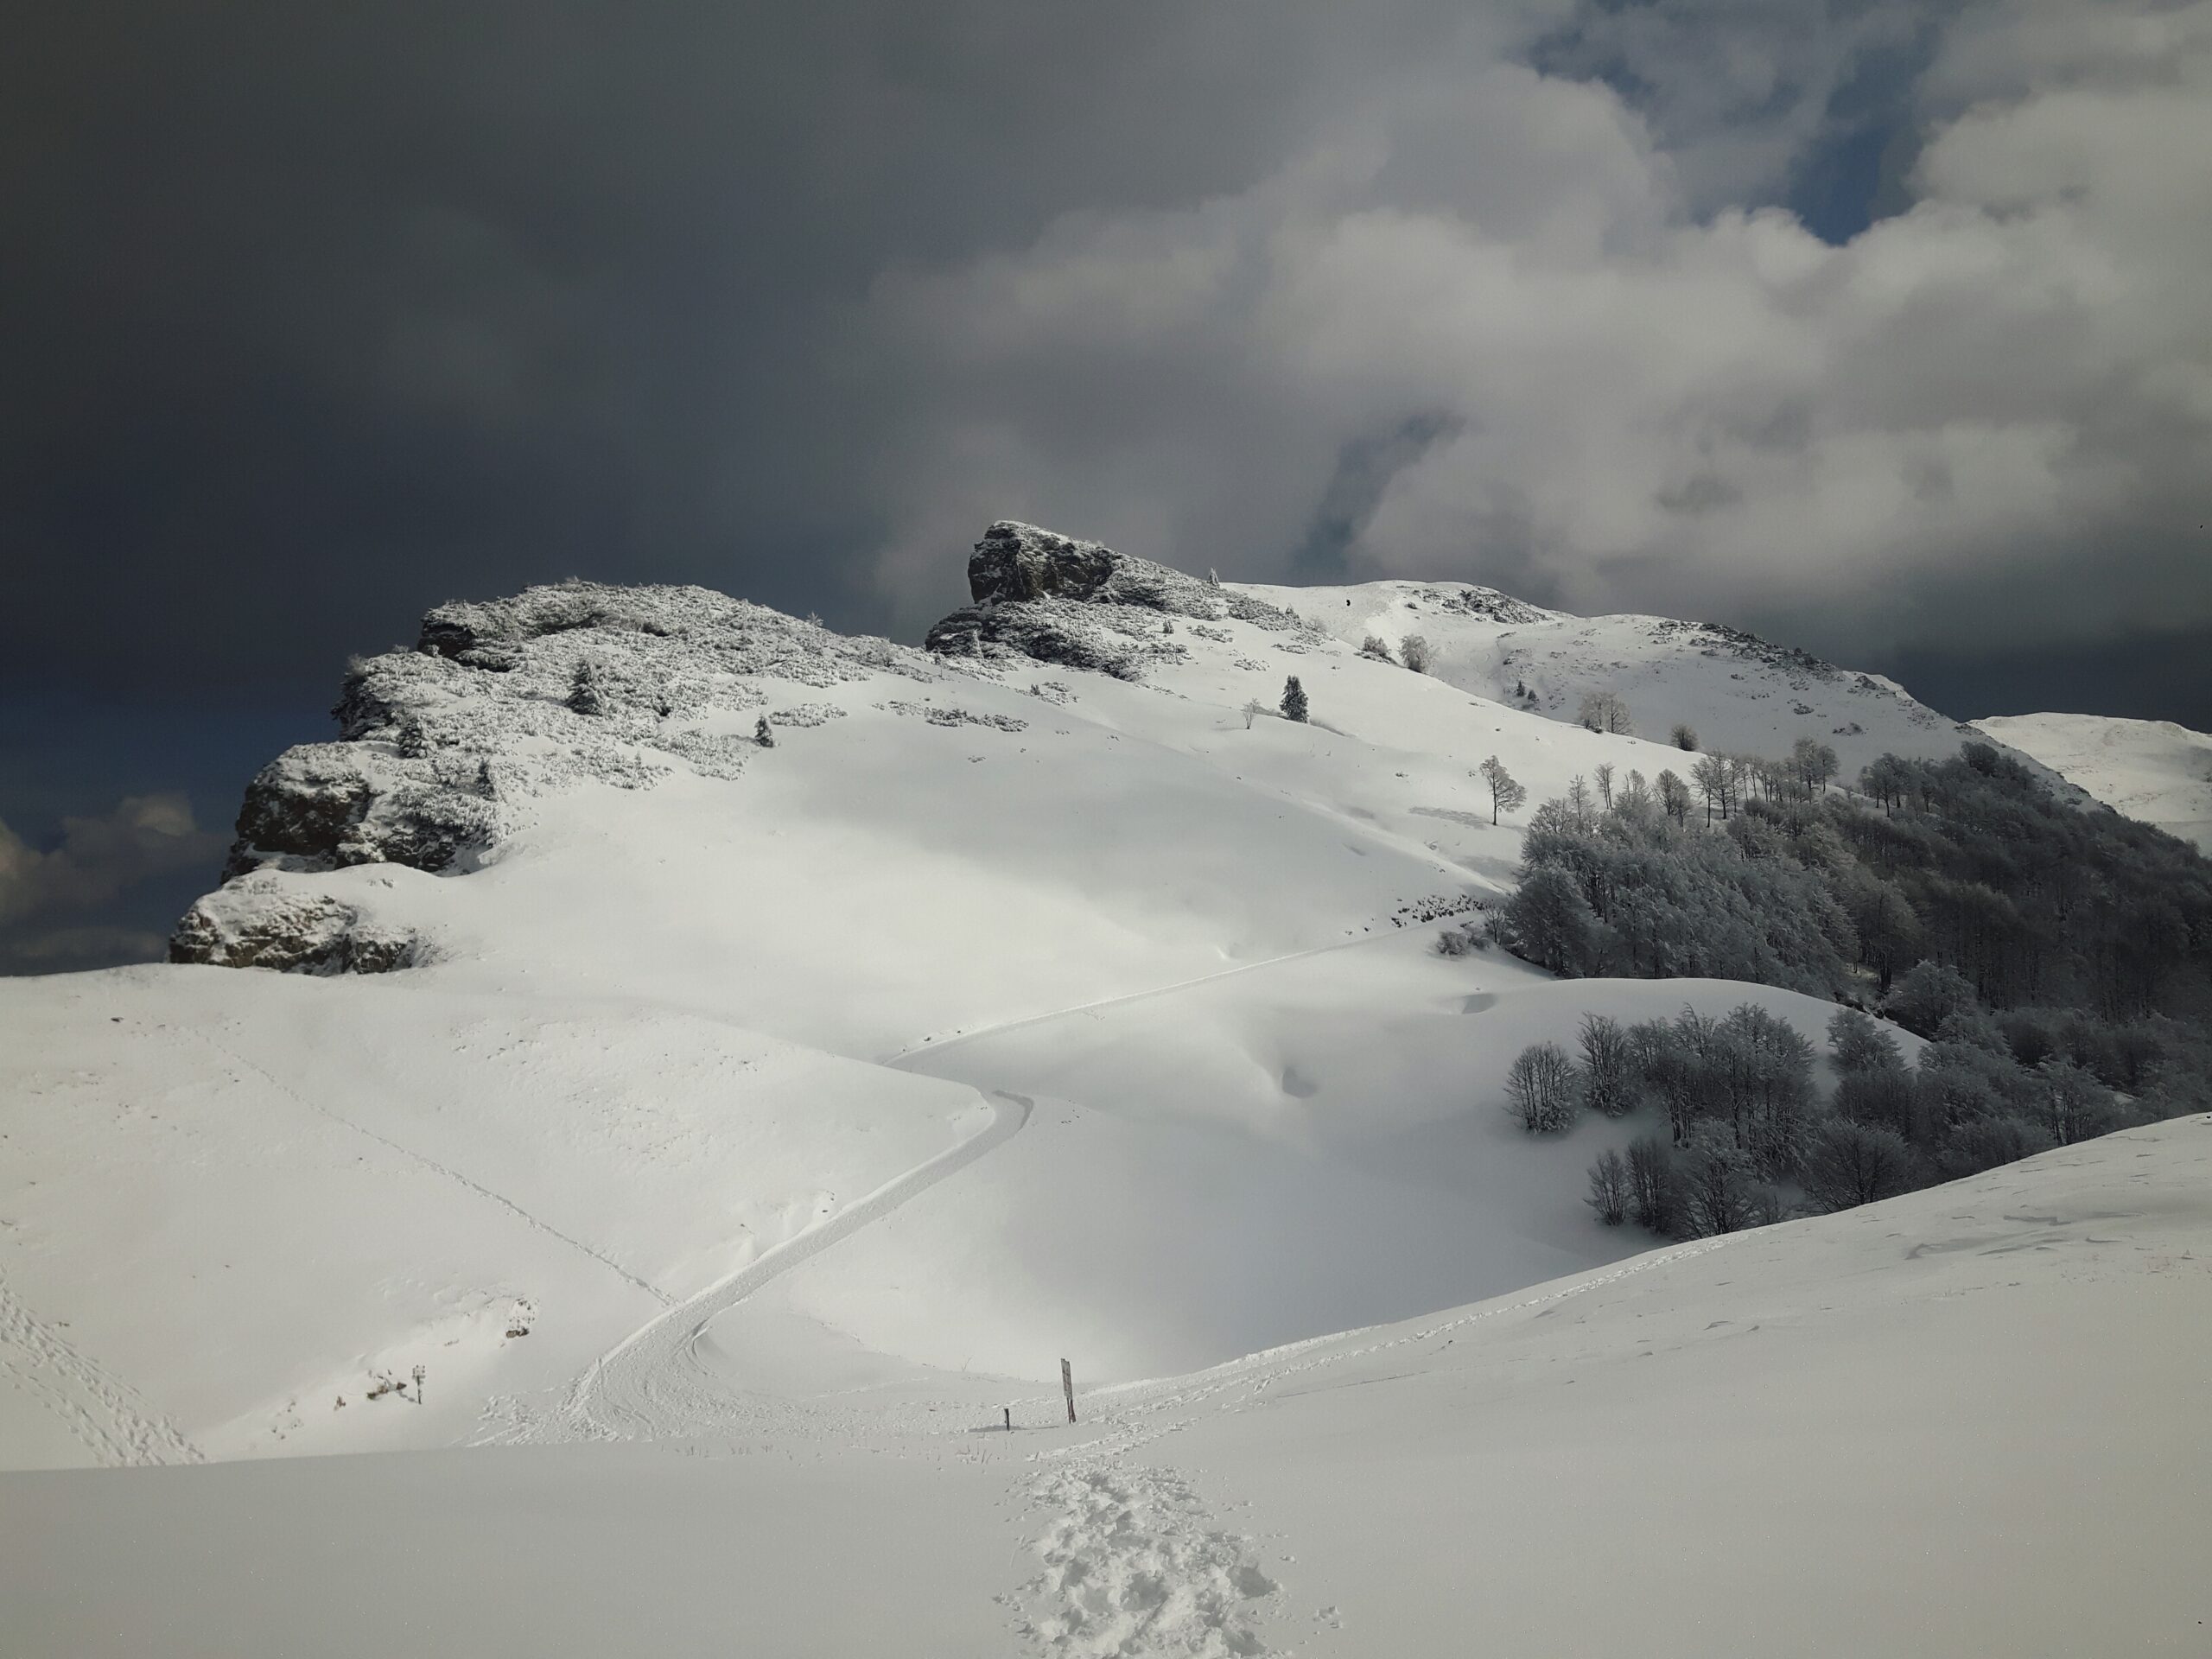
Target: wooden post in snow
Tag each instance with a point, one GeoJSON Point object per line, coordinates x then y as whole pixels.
{"type": "Point", "coordinates": [1009, 1418]}
{"type": "Point", "coordinates": [1067, 1386]}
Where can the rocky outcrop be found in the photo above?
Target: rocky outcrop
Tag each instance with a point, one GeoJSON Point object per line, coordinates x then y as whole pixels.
{"type": "Point", "coordinates": [257, 924]}
{"type": "Point", "coordinates": [442, 750]}
{"type": "Point", "coordinates": [1040, 595]}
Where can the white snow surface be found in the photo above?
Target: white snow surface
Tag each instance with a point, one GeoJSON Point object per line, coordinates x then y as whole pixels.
{"type": "Point", "coordinates": [789, 1113]}
{"type": "Point", "coordinates": [2152, 769]}
{"type": "Point", "coordinates": [1739, 694]}
{"type": "Point", "coordinates": [997, 1011]}
{"type": "Point", "coordinates": [1964, 1422]}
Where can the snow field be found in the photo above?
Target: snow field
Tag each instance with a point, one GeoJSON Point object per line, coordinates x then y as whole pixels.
{"type": "Point", "coordinates": [2152, 769]}
{"type": "Point", "coordinates": [1963, 1421]}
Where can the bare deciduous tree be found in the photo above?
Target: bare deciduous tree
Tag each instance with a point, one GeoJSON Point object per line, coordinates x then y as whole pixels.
{"type": "Point", "coordinates": [1609, 1187]}
{"type": "Point", "coordinates": [1540, 1088]}
{"type": "Point", "coordinates": [1505, 794]}
{"type": "Point", "coordinates": [1605, 711]}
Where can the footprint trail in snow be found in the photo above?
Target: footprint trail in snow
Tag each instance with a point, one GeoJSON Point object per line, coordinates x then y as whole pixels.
{"type": "Point", "coordinates": [1131, 1566]}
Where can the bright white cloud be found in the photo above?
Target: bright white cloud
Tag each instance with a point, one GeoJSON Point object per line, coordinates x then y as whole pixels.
{"type": "Point", "coordinates": [1648, 404]}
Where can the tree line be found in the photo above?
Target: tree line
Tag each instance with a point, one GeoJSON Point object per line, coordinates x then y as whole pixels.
{"type": "Point", "coordinates": [2057, 961]}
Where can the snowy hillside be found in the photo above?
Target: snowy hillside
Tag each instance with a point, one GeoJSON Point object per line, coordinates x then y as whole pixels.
{"type": "Point", "coordinates": [1968, 1421]}
{"type": "Point", "coordinates": [607, 1008]}
{"type": "Point", "coordinates": [1737, 692]}
{"type": "Point", "coordinates": [1043, 993]}
{"type": "Point", "coordinates": [2152, 769]}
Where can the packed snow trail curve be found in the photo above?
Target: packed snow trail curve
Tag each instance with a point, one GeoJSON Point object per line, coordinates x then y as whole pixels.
{"type": "Point", "coordinates": [927, 1048]}
{"type": "Point", "coordinates": [653, 1386]}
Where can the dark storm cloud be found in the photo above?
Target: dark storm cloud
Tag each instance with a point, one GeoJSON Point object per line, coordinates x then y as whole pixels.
{"type": "Point", "coordinates": [321, 314]}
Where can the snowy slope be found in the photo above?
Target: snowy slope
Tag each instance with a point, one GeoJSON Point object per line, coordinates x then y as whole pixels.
{"type": "Point", "coordinates": [1739, 694]}
{"type": "Point", "coordinates": [2150, 770]}
{"type": "Point", "coordinates": [643, 1077]}
{"type": "Point", "coordinates": [1967, 1421]}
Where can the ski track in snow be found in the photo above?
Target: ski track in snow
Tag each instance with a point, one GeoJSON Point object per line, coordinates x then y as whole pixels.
{"type": "Point", "coordinates": [653, 1386]}
{"type": "Point", "coordinates": [433, 1166]}
{"type": "Point", "coordinates": [112, 1420]}
{"type": "Point", "coordinates": [924, 1049]}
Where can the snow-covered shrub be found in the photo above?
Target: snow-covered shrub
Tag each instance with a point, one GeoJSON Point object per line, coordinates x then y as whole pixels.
{"type": "Point", "coordinates": [1612, 1082]}
{"type": "Point", "coordinates": [1609, 1187]}
{"type": "Point", "coordinates": [1540, 1088]}
{"type": "Point", "coordinates": [1415, 653]}
{"type": "Point", "coordinates": [1294, 705]}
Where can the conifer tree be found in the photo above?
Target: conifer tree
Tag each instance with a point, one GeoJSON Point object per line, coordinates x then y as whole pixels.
{"type": "Point", "coordinates": [1293, 699]}
{"type": "Point", "coordinates": [587, 695]}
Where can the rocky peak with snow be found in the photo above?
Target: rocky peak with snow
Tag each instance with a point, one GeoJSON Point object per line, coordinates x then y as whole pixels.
{"type": "Point", "coordinates": [1054, 599]}
{"type": "Point", "coordinates": [442, 749]}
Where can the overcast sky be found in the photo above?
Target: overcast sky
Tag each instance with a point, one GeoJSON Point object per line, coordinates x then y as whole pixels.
{"type": "Point", "coordinates": [1881, 329]}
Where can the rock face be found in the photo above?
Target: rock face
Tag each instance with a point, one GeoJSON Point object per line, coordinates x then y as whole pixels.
{"type": "Point", "coordinates": [441, 750]}
{"type": "Point", "coordinates": [1054, 599]}
{"type": "Point", "coordinates": [253, 924]}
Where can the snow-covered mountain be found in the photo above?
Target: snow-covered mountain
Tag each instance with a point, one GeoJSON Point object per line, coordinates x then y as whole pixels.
{"type": "Point", "coordinates": [708, 1029]}
{"type": "Point", "coordinates": [1043, 993]}
{"type": "Point", "coordinates": [2152, 769]}
{"type": "Point", "coordinates": [1737, 692]}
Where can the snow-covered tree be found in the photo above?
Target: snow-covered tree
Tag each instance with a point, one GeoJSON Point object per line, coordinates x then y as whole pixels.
{"type": "Point", "coordinates": [1711, 776]}
{"type": "Point", "coordinates": [1851, 1164]}
{"type": "Point", "coordinates": [1812, 764]}
{"type": "Point", "coordinates": [1609, 1187]}
{"type": "Point", "coordinates": [1923, 998]}
{"type": "Point", "coordinates": [2076, 1106]}
{"type": "Point", "coordinates": [1673, 796]}
{"type": "Point", "coordinates": [1602, 772]}
{"type": "Point", "coordinates": [1720, 1186]}
{"type": "Point", "coordinates": [1654, 1185]}
{"type": "Point", "coordinates": [1612, 1081]}
{"type": "Point", "coordinates": [1377, 647]}
{"type": "Point", "coordinates": [1578, 800]}
{"type": "Point", "coordinates": [1293, 699]}
{"type": "Point", "coordinates": [1549, 923]}
{"type": "Point", "coordinates": [1683, 737]}
{"type": "Point", "coordinates": [763, 734]}
{"type": "Point", "coordinates": [1605, 711]}
{"type": "Point", "coordinates": [1859, 1044]}
{"type": "Point", "coordinates": [587, 690]}
{"type": "Point", "coordinates": [1540, 1088]}
{"type": "Point", "coordinates": [1415, 653]}
{"type": "Point", "coordinates": [1505, 794]}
